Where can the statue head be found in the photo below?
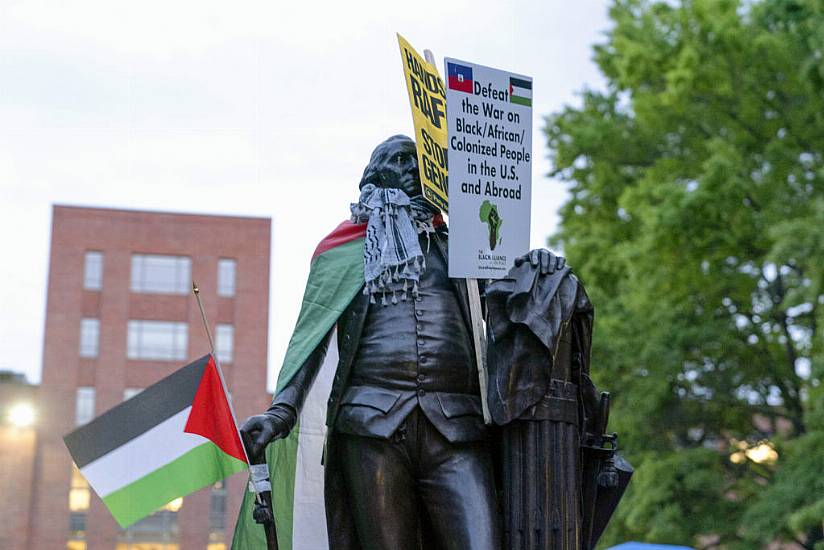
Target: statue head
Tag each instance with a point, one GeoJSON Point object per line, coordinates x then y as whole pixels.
{"type": "Point", "coordinates": [394, 164]}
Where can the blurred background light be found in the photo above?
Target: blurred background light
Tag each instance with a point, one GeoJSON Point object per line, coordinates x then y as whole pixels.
{"type": "Point", "coordinates": [22, 415]}
{"type": "Point", "coordinates": [762, 452]}
{"type": "Point", "coordinates": [174, 505]}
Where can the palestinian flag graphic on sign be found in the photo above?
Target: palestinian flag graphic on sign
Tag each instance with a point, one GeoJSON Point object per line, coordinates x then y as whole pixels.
{"type": "Point", "coordinates": [173, 438]}
{"type": "Point", "coordinates": [520, 91]}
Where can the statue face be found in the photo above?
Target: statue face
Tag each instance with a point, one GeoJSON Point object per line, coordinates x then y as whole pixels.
{"type": "Point", "coordinates": [394, 164]}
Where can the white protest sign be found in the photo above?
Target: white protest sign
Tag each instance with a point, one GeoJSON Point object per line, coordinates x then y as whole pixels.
{"type": "Point", "coordinates": [489, 117]}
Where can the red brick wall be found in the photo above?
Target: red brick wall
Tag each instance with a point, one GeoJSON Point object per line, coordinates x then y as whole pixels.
{"type": "Point", "coordinates": [118, 234]}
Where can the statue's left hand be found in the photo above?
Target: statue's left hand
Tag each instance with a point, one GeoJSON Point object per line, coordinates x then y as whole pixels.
{"type": "Point", "coordinates": [543, 259]}
{"type": "Point", "coordinates": [275, 423]}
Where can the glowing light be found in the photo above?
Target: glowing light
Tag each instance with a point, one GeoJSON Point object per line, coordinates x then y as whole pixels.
{"type": "Point", "coordinates": [79, 494]}
{"type": "Point", "coordinates": [738, 458]}
{"type": "Point", "coordinates": [174, 505]}
{"type": "Point", "coordinates": [79, 500]}
{"type": "Point", "coordinates": [763, 453]}
{"type": "Point", "coordinates": [21, 415]}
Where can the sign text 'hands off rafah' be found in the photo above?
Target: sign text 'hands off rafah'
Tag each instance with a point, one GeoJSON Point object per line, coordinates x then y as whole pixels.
{"type": "Point", "coordinates": [427, 98]}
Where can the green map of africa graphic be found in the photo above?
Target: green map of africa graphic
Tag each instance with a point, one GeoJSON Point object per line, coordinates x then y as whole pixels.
{"type": "Point", "coordinates": [489, 215]}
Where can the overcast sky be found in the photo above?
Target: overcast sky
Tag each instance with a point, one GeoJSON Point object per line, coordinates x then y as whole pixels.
{"type": "Point", "coordinates": [260, 108]}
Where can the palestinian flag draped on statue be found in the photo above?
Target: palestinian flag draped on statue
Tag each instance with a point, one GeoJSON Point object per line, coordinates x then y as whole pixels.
{"type": "Point", "coordinates": [173, 438]}
{"type": "Point", "coordinates": [295, 469]}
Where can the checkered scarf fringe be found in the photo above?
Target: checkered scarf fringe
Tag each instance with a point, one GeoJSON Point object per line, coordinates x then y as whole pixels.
{"type": "Point", "coordinates": [393, 261]}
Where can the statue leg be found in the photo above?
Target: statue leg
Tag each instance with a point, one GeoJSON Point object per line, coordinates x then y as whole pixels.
{"type": "Point", "coordinates": [378, 478]}
{"type": "Point", "coordinates": [457, 487]}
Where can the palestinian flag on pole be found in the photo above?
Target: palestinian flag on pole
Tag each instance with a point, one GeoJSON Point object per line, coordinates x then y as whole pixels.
{"type": "Point", "coordinates": [520, 91]}
{"type": "Point", "coordinates": [173, 438]}
{"type": "Point", "coordinates": [295, 469]}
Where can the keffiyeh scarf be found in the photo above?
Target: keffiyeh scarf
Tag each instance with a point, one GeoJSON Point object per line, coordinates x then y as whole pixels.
{"type": "Point", "coordinates": [392, 258]}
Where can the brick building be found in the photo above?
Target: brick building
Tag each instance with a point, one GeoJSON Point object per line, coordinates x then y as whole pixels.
{"type": "Point", "coordinates": [120, 316]}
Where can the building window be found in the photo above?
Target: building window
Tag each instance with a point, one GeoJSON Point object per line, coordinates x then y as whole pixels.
{"type": "Point", "coordinates": [79, 499]}
{"type": "Point", "coordinates": [84, 405]}
{"type": "Point", "coordinates": [157, 340]}
{"type": "Point", "coordinates": [155, 274]}
{"type": "Point", "coordinates": [217, 510]}
{"type": "Point", "coordinates": [93, 270]}
{"type": "Point", "coordinates": [128, 393]}
{"type": "Point", "coordinates": [158, 531]}
{"type": "Point", "coordinates": [89, 337]}
{"type": "Point", "coordinates": [226, 269]}
{"type": "Point", "coordinates": [225, 343]}
{"type": "Point", "coordinates": [79, 496]}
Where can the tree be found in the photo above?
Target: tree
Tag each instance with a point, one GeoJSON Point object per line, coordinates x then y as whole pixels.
{"type": "Point", "coordinates": [696, 221]}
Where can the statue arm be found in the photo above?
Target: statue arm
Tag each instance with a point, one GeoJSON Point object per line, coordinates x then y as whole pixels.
{"type": "Point", "coordinates": [278, 420]}
{"type": "Point", "coordinates": [294, 393]}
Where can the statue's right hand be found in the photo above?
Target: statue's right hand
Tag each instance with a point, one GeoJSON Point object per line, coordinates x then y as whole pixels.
{"type": "Point", "coordinates": [265, 428]}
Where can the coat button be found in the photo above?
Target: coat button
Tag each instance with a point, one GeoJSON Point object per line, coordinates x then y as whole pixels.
{"type": "Point", "coordinates": [421, 378]}
{"type": "Point", "coordinates": [421, 392]}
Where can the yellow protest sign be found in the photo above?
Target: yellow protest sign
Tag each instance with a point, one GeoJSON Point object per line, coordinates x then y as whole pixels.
{"type": "Point", "coordinates": [427, 97]}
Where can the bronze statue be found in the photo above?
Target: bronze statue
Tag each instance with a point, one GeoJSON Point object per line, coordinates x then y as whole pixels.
{"type": "Point", "coordinates": [409, 462]}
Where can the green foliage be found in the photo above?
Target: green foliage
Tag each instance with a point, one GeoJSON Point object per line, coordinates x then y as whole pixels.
{"type": "Point", "coordinates": [794, 501]}
{"type": "Point", "coordinates": [696, 221]}
{"type": "Point", "coordinates": [671, 487]}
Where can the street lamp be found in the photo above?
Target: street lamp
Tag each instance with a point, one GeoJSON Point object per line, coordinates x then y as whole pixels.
{"type": "Point", "coordinates": [21, 415]}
